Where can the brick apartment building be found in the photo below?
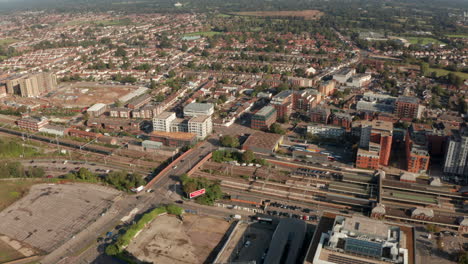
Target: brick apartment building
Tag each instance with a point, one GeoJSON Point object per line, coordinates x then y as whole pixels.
{"type": "Point", "coordinates": [408, 107]}
{"type": "Point", "coordinates": [375, 144]}
{"type": "Point", "coordinates": [417, 154]}
{"type": "Point", "coordinates": [341, 119]}
{"type": "Point", "coordinates": [306, 99]}
{"type": "Point", "coordinates": [282, 102]}
{"type": "Point", "coordinates": [319, 115]}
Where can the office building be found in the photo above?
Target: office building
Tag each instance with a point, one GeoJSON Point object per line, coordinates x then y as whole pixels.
{"type": "Point", "coordinates": [357, 239]}
{"type": "Point", "coordinates": [201, 125]}
{"type": "Point", "coordinates": [194, 109]}
{"type": "Point", "coordinates": [162, 122]}
{"type": "Point", "coordinates": [264, 118]}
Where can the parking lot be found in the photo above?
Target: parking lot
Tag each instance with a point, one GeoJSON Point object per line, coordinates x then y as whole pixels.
{"type": "Point", "coordinates": [292, 211]}
{"type": "Point", "coordinates": [53, 213]}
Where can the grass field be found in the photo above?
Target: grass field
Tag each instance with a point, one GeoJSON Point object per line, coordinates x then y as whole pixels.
{"type": "Point", "coordinates": [11, 191]}
{"type": "Point", "coordinates": [422, 40]}
{"type": "Point", "coordinates": [306, 14]}
{"type": "Point", "coordinates": [202, 33]}
{"type": "Point", "coordinates": [457, 36]}
{"type": "Point", "coordinates": [442, 72]}
{"type": "Point", "coordinates": [7, 41]}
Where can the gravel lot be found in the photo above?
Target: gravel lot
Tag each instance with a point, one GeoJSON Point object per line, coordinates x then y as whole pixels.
{"type": "Point", "coordinates": [53, 213]}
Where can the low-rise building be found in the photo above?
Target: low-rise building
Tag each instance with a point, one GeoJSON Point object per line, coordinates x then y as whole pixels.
{"type": "Point", "coordinates": [265, 143]}
{"type": "Point", "coordinates": [194, 109]}
{"type": "Point", "coordinates": [54, 130]}
{"type": "Point", "coordinates": [174, 139]}
{"type": "Point", "coordinates": [97, 110]}
{"type": "Point", "coordinates": [325, 130]}
{"type": "Point", "coordinates": [32, 123]}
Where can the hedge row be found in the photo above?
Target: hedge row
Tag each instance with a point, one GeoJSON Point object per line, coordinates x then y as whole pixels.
{"type": "Point", "coordinates": [124, 240]}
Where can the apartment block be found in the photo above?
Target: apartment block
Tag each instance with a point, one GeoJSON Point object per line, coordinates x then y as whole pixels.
{"type": "Point", "coordinates": [408, 107]}
{"type": "Point", "coordinates": [31, 85]}
{"type": "Point", "coordinates": [456, 156]}
{"type": "Point", "coordinates": [319, 115]}
{"type": "Point", "coordinates": [283, 103]}
{"type": "Point", "coordinates": [375, 144]}
{"type": "Point", "coordinates": [417, 153]}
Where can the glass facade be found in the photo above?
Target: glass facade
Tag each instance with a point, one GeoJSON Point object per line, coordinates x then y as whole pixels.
{"type": "Point", "coordinates": [363, 247]}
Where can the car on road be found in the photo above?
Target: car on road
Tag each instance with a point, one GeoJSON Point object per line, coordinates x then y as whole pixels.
{"type": "Point", "coordinates": [174, 167]}
{"type": "Point", "coordinates": [179, 201]}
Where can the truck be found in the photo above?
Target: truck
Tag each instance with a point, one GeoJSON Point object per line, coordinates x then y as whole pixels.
{"type": "Point", "coordinates": [236, 216]}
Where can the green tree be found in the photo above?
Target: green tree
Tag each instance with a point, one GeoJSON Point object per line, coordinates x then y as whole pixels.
{"type": "Point", "coordinates": [120, 52]}
{"type": "Point", "coordinates": [248, 156]}
{"type": "Point", "coordinates": [277, 129]}
{"type": "Point", "coordinates": [424, 67]}
{"type": "Point", "coordinates": [229, 141]}
{"type": "Point", "coordinates": [175, 210]}
{"type": "Point", "coordinates": [463, 258]}
{"type": "Point", "coordinates": [112, 250]}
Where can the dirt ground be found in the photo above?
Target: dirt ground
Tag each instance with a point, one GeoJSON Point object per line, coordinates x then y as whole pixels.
{"type": "Point", "coordinates": [169, 240]}
{"type": "Point", "coordinates": [87, 94]}
{"type": "Point", "coordinates": [307, 14]}
{"type": "Point", "coordinates": [51, 214]}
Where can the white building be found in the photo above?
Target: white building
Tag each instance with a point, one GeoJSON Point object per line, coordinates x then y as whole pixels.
{"type": "Point", "coordinates": [325, 131]}
{"type": "Point", "coordinates": [457, 153]}
{"type": "Point", "coordinates": [96, 110]}
{"type": "Point", "coordinates": [162, 122]}
{"type": "Point", "coordinates": [359, 80]}
{"type": "Point", "coordinates": [344, 75]}
{"type": "Point", "coordinates": [200, 125]}
{"type": "Point", "coordinates": [195, 109]}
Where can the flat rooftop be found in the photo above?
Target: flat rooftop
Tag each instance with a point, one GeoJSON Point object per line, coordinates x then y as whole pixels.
{"type": "Point", "coordinates": [364, 225]}
{"type": "Point", "coordinates": [174, 135]}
